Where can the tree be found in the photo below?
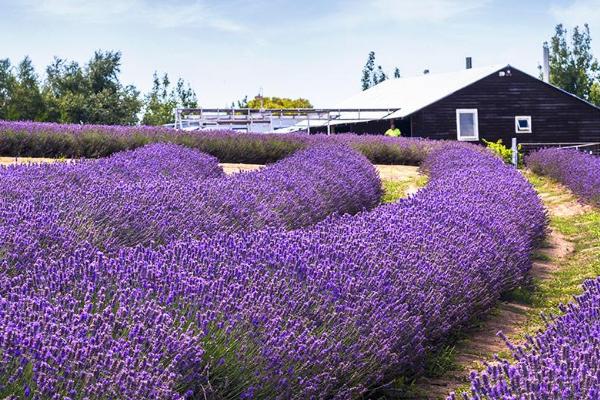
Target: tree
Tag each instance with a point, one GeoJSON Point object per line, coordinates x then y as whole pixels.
{"type": "Point", "coordinates": [89, 93]}
{"type": "Point", "coordinates": [372, 76]}
{"type": "Point", "coordinates": [595, 93]}
{"type": "Point", "coordinates": [103, 71]}
{"type": "Point", "coordinates": [379, 76]}
{"type": "Point", "coordinates": [26, 102]}
{"type": "Point", "coordinates": [573, 67]}
{"type": "Point", "coordinates": [367, 72]}
{"type": "Point", "coordinates": [93, 94]}
{"type": "Point", "coordinates": [7, 85]}
{"type": "Point", "coordinates": [278, 102]}
{"type": "Point", "coordinates": [185, 95]}
{"type": "Point", "coordinates": [65, 92]}
{"type": "Point", "coordinates": [243, 103]}
{"type": "Point", "coordinates": [162, 100]}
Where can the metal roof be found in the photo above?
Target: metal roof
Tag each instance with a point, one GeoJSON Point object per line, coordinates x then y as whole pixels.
{"type": "Point", "coordinates": [402, 96]}
{"type": "Point", "coordinates": [411, 94]}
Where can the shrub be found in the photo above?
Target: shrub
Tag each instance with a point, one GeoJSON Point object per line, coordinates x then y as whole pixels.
{"type": "Point", "coordinates": [34, 139]}
{"type": "Point", "coordinates": [560, 363]}
{"type": "Point", "coordinates": [504, 152]}
{"type": "Point", "coordinates": [328, 310]}
{"type": "Point", "coordinates": [579, 171]}
{"type": "Point", "coordinates": [162, 192]}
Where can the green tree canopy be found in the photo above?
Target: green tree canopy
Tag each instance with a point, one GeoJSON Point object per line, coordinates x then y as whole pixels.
{"type": "Point", "coordinates": [368, 72]}
{"type": "Point", "coordinates": [27, 102]}
{"type": "Point", "coordinates": [20, 92]}
{"type": "Point", "coordinates": [162, 100]}
{"type": "Point", "coordinates": [278, 102]}
{"type": "Point", "coordinates": [573, 66]}
{"type": "Point", "coordinates": [7, 86]}
{"type": "Point", "coordinates": [92, 94]}
{"type": "Point", "coordinates": [372, 75]}
{"type": "Point", "coordinates": [379, 76]}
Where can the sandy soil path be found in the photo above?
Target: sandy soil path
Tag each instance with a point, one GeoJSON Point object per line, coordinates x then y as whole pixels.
{"type": "Point", "coordinates": [510, 317]}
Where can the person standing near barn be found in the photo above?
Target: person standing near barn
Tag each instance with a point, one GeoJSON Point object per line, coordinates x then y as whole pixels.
{"type": "Point", "coordinates": [393, 131]}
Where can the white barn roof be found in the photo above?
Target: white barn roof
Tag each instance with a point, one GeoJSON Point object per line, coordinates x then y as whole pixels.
{"type": "Point", "coordinates": [407, 95]}
{"type": "Point", "coordinates": [402, 96]}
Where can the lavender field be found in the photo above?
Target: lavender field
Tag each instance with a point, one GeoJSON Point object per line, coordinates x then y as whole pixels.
{"type": "Point", "coordinates": [562, 362]}
{"type": "Point", "coordinates": [151, 274]}
{"type": "Point", "coordinates": [34, 139]}
{"type": "Point", "coordinates": [579, 171]}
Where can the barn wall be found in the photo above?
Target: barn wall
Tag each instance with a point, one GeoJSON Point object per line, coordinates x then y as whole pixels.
{"type": "Point", "coordinates": [556, 116]}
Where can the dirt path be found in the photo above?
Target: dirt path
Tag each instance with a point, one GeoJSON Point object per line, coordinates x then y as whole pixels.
{"type": "Point", "coordinates": [231, 168]}
{"type": "Point", "coordinates": [27, 160]}
{"type": "Point", "coordinates": [480, 341]}
{"type": "Point", "coordinates": [406, 176]}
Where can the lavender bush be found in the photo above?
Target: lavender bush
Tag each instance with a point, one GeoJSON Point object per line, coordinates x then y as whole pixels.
{"type": "Point", "coordinates": [563, 362]}
{"type": "Point", "coordinates": [162, 192]}
{"type": "Point", "coordinates": [579, 171]}
{"type": "Point", "coordinates": [41, 206]}
{"type": "Point", "coordinates": [325, 311]}
{"type": "Point", "coordinates": [35, 139]}
{"type": "Point", "coordinates": [297, 191]}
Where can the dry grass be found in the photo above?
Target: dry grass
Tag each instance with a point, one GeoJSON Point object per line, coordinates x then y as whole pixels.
{"type": "Point", "coordinates": [230, 168]}
{"type": "Point", "coordinates": [28, 160]}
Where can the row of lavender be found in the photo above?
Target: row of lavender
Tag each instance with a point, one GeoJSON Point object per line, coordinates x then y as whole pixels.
{"type": "Point", "coordinates": [35, 139]}
{"type": "Point", "coordinates": [325, 311]}
{"type": "Point", "coordinates": [164, 192]}
{"type": "Point", "coordinates": [579, 171]}
{"type": "Point", "coordinates": [563, 362]}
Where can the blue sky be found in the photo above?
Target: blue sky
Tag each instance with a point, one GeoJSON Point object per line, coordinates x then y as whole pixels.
{"type": "Point", "coordinates": [311, 49]}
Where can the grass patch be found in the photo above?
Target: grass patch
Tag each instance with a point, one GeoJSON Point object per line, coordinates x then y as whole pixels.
{"type": "Point", "coordinates": [540, 295]}
{"type": "Point", "coordinates": [394, 190]}
{"type": "Point", "coordinates": [441, 362]}
{"type": "Point", "coordinates": [583, 230]}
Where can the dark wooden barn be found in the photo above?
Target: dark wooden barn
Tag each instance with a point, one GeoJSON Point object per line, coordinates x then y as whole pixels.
{"type": "Point", "coordinates": [486, 103]}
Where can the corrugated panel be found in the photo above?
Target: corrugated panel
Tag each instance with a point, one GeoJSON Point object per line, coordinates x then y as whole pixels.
{"type": "Point", "coordinates": [402, 96]}
{"type": "Point", "coordinates": [411, 94]}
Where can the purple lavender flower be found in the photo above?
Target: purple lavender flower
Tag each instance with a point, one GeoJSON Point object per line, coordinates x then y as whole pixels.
{"type": "Point", "coordinates": [562, 362]}
{"type": "Point", "coordinates": [298, 308]}
{"type": "Point", "coordinates": [579, 171]}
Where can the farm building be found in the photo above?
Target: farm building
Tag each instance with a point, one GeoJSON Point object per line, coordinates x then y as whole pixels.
{"type": "Point", "coordinates": [497, 102]}
{"type": "Point", "coordinates": [491, 103]}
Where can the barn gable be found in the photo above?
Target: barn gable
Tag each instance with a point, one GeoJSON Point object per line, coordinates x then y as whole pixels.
{"type": "Point", "coordinates": [492, 102]}
{"type": "Point", "coordinates": [501, 97]}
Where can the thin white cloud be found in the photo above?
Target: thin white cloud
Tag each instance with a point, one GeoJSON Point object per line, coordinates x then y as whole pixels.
{"type": "Point", "coordinates": [353, 14]}
{"type": "Point", "coordinates": [162, 14]}
{"type": "Point", "coordinates": [577, 12]}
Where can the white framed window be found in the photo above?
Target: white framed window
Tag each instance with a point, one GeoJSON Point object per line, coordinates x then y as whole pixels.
{"type": "Point", "coordinates": [523, 124]}
{"type": "Point", "coordinates": [467, 124]}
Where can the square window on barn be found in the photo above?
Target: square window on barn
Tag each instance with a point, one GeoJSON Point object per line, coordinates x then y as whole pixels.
{"type": "Point", "coordinates": [467, 124]}
{"type": "Point", "coordinates": [523, 124]}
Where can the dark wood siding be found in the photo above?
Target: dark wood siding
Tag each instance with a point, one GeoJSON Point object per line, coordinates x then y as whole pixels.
{"type": "Point", "coordinates": [556, 116]}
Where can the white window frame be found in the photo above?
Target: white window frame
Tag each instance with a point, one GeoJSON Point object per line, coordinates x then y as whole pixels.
{"type": "Point", "coordinates": [518, 128]}
{"type": "Point", "coordinates": [474, 112]}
